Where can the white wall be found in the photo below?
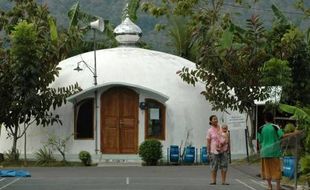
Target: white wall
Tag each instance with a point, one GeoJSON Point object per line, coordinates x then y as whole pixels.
{"type": "Point", "coordinates": [186, 109]}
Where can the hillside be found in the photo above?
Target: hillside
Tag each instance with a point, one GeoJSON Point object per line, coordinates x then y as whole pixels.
{"type": "Point", "coordinates": [112, 9]}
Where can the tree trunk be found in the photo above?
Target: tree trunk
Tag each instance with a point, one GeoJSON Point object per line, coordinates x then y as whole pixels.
{"type": "Point", "coordinates": [63, 156]}
{"type": "Point", "coordinates": [14, 149]}
{"type": "Point", "coordinates": [251, 132]}
{"type": "Point", "coordinates": [25, 149]}
{"type": "Point", "coordinates": [14, 154]}
{"type": "Point", "coordinates": [252, 136]}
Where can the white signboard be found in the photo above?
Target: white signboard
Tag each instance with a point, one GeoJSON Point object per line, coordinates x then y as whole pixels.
{"type": "Point", "coordinates": [236, 119]}
{"type": "Point", "coordinates": [154, 113]}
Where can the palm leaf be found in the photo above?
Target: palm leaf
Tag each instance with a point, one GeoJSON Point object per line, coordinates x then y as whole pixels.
{"type": "Point", "coordinates": [180, 37]}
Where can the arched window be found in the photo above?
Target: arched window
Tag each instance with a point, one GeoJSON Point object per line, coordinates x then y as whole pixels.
{"type": "Point", "coordinates": [84, 119]}
{"type": "Point", "coordinates": [155, 119]}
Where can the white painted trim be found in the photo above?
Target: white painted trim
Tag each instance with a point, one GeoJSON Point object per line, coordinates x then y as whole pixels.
{"type": "Point", "coordinates": [89, 92]}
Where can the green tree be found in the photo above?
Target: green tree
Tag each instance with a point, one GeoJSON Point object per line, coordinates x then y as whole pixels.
{"type": "Point", "coordinates": [178, 29]}
{"type": "Point", "coordinates": [288, 42]}
{"type": "Point", "coordinates": [79, 24]}
{"type": "Point", "coordinates": [300, 4]}
{"type": "Point", "coordinates": [30, 53]}
{"type": "Point", "coordinates": [231, 59]}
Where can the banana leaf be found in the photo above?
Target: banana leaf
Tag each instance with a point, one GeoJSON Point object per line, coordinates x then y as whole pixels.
{"type": "Point", "coordinates": [297, 113]}
{"type": "Point", "coordinates": [53, 30]}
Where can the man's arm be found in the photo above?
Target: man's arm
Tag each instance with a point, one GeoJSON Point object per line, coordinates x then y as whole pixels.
{"type": "Point", "coordinates": [287, 135]}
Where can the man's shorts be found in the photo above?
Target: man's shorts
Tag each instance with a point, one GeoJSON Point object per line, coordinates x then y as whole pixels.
{"type": "Point", "coordinates": [219, 161]}
{"type": "Point", "coordinates": [271, 168]}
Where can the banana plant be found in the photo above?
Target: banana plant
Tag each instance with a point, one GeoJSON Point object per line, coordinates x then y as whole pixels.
{"type": "Point", "coordinates": [300, 114]}
{"type": "Point", "coordinates": [279, 15]}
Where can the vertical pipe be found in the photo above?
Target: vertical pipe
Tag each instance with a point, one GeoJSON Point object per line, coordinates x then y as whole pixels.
{"type": "Point", "coordinates": [196, 155]}
{"type": "Point", "coordinates": [200, 157]}
{"type": "Point", "coordinates": [179, 153]}
{"type": "Point", "coordinates": [168, 161]}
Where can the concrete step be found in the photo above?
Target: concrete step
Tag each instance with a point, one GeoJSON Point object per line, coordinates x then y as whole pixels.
{"type": "Point", "coordinates": [106, 160]}
{"type": "Point", "coordinates": [119, 163]}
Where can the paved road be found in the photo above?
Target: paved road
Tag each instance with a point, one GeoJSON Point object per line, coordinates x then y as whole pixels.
{"type": "Point", "coordinates": [135, 178]}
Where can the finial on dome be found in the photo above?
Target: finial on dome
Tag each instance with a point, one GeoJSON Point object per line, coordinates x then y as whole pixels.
{"type": "Point", "coordinates": [125, 12]}
{"type": "Point", "coordinates": [127, 33]}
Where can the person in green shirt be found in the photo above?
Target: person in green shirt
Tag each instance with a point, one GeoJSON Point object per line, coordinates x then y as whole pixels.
{"type": "Point", "coordinates": [269, 137]}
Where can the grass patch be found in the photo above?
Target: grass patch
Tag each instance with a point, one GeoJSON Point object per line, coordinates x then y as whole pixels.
{"type": "Point", "coordinates": [302, 180]}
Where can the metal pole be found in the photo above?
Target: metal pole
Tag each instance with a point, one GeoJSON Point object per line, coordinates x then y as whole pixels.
{"type": "Point", "coordinates": [296, 162]}
{"type": "Point", "coordinates": [96, 106]}
{"type": "Point", "coordinates": [246, 144]}
{"type": "Point", "coordinates": [95, 60]}
{"type": "Point", "coordinates": [96, 123]}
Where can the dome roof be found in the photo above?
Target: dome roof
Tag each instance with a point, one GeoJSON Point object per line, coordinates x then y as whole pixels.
{"type": "Point", "coordinates": [127, 32]}
{"type": "Point", "coordinates": [141, 67]}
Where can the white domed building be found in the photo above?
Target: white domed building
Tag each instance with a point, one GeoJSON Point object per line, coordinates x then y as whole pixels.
{"type": "Point", "coordinates": [136, 95]}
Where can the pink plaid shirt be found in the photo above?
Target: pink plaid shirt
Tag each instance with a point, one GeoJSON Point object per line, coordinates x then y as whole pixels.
{"type": "Point", "coordinates": [217, 140]}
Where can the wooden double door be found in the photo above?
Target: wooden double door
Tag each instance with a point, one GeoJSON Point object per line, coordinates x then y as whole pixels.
{"type": "Point", "coordinates": [119, 121]}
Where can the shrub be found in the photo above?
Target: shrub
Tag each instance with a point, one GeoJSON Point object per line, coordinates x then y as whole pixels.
{"type": "Point", "coordinates": [85, 157]}
{"type": "Point", "coordinates": [44, 156]}
{"type": "Point", "coordinates": [305, 167]}
{"type": "Point", "coordinates": [287, 153]}
{"type": "Point", "coordinates": [150, 151]}
{"type": "Point", "coordinates": [289, 128]}
{"type": "Point", "coordinates": [59, 144]}
{"type": "Point", "coordinates": [305, 164]}
{"type": "Point", "coordinates": [12, 156]}
{"type": "Point", "coordinates": [1, 157]}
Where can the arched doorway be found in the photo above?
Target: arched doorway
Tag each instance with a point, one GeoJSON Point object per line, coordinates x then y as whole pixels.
{"type": "Point", "coordinates": [119, 121]}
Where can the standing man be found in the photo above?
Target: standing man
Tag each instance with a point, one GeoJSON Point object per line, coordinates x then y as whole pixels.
{"type": "Point", "coordinates": [269, 137]}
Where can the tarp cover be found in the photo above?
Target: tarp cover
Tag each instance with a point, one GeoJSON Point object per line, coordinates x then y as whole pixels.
{"type": "Point", "coordinates": [14, 173]}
